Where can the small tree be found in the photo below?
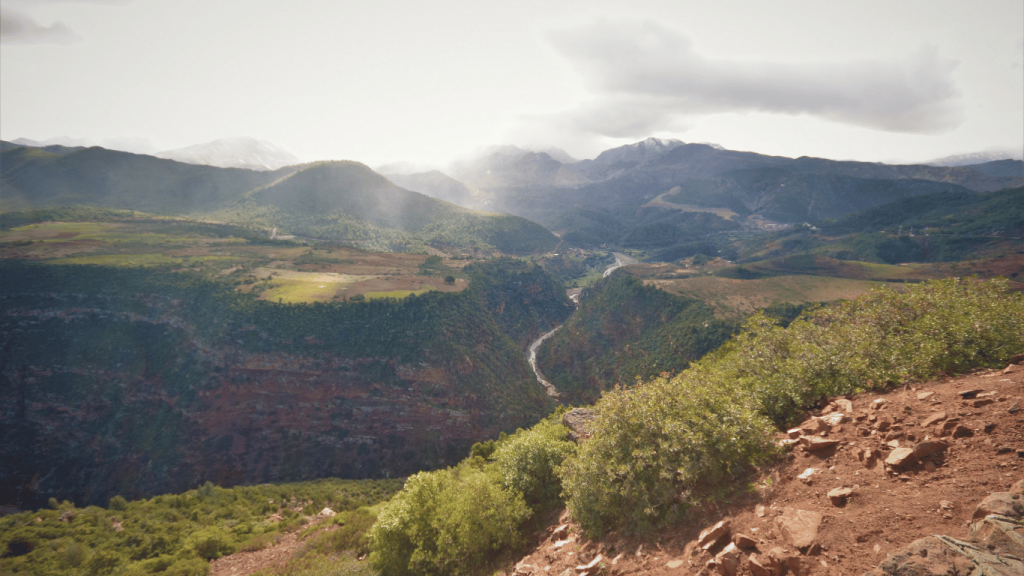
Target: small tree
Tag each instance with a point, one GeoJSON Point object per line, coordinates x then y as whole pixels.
{"type": "Point", "coordinates": [449, 279]}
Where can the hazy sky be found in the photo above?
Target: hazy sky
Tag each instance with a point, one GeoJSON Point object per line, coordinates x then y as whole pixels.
{"type": "Point", "coordinates": [426, 81]}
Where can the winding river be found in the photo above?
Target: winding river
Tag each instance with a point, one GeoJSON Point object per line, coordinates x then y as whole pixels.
{"type": "Point", "coordinates": [620, 261]}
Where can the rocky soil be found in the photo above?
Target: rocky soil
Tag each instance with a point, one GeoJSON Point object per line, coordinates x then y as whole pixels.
{"type": "Point", "coordinates": [865, 479]}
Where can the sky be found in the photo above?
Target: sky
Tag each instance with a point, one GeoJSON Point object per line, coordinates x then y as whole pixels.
{"type": "Point", "coordinates": [426, 82]}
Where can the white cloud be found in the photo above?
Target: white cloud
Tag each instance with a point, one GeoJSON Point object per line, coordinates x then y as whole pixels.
{"type": "Point", "coordinates": [645, 77]}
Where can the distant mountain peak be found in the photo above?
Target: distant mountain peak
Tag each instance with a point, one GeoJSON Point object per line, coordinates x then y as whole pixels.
{"type": "Point", "coordinates": [974, 158]}
{"type": "Point", "coordinates": [238, 152]}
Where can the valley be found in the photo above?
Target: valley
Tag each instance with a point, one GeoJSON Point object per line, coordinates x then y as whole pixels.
{"type": "Point", "coordinates": [168, 326]}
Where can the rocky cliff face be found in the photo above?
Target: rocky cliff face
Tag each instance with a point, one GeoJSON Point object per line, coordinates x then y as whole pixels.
{"type": "Point", "coordinates": [138, 394]}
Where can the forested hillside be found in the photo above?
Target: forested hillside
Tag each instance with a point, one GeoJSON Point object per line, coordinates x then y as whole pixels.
{"type": "Point", "coordinates": [134, 382]}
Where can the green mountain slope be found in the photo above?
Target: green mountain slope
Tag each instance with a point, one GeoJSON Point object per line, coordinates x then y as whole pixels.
{"type": "Point", "coordinates": [625, 330]}
{"type": "Point", "coordinates": [339, 201]}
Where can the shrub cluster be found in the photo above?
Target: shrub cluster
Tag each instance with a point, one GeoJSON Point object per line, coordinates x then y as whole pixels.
{"type": "Point", "coordinates": [453, 521]}
{"type": "Point", "coordinates": [660, 446]}
{"type": "Point", "coordinates": [176, 535]}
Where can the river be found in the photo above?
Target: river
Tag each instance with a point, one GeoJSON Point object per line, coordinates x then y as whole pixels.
{"type": "Point", "coordinates": [620, 261]}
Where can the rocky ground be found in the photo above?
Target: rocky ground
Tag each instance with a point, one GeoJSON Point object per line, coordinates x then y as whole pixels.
{"type": "Point", "coordinates": [864, 478]}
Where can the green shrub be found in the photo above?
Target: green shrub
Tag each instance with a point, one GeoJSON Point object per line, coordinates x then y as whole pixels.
{"type": "Point", "coordinates": [656, 447]}
{"type": "Point", "coordinates": [446, 522]}
{"type": "Point", "coordinates": [659, 446]}
{"type": "Point", "coordinates": [117, 503]}
{"type": "Point", "coordinates": [211, 543]}
{"type": "Point", "coordinates": [528, 463]}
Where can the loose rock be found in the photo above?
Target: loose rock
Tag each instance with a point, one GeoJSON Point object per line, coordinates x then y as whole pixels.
{"type": "Point", "coordinates": [799, 528]}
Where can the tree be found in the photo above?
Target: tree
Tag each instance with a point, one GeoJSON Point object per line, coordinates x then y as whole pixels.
{"type": "Point", "coordinates": [449, 280]}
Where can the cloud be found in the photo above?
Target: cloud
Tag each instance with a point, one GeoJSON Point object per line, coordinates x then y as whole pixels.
{"type": "Point", "coordinates": [18, 28]}
{"type": "Point", "coordinates": [645, 77]}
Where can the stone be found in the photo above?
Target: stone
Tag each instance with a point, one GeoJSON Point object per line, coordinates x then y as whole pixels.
{"type": "Point", "coordinates": [962, 431]}
{"type": "Point", "coordinates": [743, 542]}
{"type": "Point", "coordinates": [839, 496]}
{"type": "Point", "coordinates": [946, 505]}
{"type": "Point", "coordinates": [326, 513]}
{"type": "Point", "coordinates": [1016, 359]}
{"type": "Point", "coordinates": [835, 419]}
{"type": "Point", "coordinates": [757, 568]}
{"type": "Point", "coordinates": [805, 476]}
{"type": "Point", "coordinates": [814, 426]}
{"type": "Point", "coordinates": [939, 555]}
{"type": "Point", "coordinates": [845, 405]}
{"type": "Point", "coordinates": [1011, 369]}
{"type": "Point", "coordinates": [877, 403]}
{"type": "Point", "coordinates": [799, 528]}
{"type": "Point", "coordinates": [933, 419]}
{"type": "Point", "coordinates": [929, 447]}
{"type": "Point", "coordinates": [711, 536]}
{"type": "Point", "coordinates": [814, 443]}
{"type": "Point", "coordinates": [560, 533]}
{"type": "Point", "coordinates": [970, 393]}
{"type": "Point", "coordinates": [760, 511]}
{"type": "Point", "coordinates": [1014, 408]}
{"type": "Point", "coordinates": [728, 560]}
{"type": "Point", "coordinates": [578, 422]}
{"type": "Point", "coordinates": [883, 423]}
{"type": "Point", "coordinates": [590, 565]}
{"type": "Point", "coordinates": [1017, 488]}
{"type": "Point", "coordinates": [999, 534]}
{"type": "Point", "coordinates": [673, 564]}
{"type": "Point", "coordinates": [900, 457]}
{"type": "Point", "coordinates": [982, 402]}
{"type": "Point", "coordinates": [524, 569]}
{"type": "Point", "coordinates": [561, 543]}
{"type": "Point", "coordinates": [925, 395]}
{"type": "Point", "coordinates": [1001, 503]}
{"type": "Point", "coordinates": [793, 432]}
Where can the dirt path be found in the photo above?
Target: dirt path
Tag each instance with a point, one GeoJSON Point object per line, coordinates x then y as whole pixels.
{"type": "Point", "coordinates": [244, 563]}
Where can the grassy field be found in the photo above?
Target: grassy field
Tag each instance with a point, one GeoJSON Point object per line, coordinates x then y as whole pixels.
{"type": "Point", "coordinates": [282, 272]}
{"type": "Point", "coordinates": [662, 201]}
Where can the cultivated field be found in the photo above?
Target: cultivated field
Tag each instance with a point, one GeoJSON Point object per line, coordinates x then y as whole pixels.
{"type": "Point", "coordinates": [277, 271]}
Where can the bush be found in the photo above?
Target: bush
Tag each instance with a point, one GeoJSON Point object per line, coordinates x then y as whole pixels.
{"type": "Point", "coordinates": [211, 543]}
{"type": "Point", "coordinates": [659, 446]}
{"type": "Point", "coordinates": [528, 463]}
{"type": "Point", "coordinates": [446, 522]}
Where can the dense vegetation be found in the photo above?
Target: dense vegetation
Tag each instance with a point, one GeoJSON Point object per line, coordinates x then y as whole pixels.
{"type": "Point", "coordinates": [659, 447]}
{"type": "Point", "coordinates": [455, 521]}
{"type": "Point", "coordinates": [626, 330]}
{"type": "Point", "coordinates": [141, 350]}
{"type": "Point", "coordinates": [665, 444]}
{"type": "Point", "coordinates": [177, 534]}
{"type": "Point", "coordinates": [939, 227]}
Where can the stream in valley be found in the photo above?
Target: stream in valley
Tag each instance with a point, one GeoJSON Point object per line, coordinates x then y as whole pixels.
{"type": "Point", "coordinates": [620, 261]}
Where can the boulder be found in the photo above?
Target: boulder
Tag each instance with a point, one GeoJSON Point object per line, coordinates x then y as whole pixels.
{"type": "Point", "coordinates": [814, 426]}
{"type": "Point", "coordinates": [815, 443]}
{"type": "Point", "coordinates": [728, 560]}
{"type": "Point", "coordinates": [937, 555]}
{"type": "Point", "coordinates": [590, 565]}
{"type": "Point", "coordinates": [326, 513]}
{"type": "Point", "coordinates": [933, 419]}
{"type": "Point", "coordinates": [961, 431]}
{"type": "Point", "coordinates": [560, 533]}
{"type": "Point", "coordinates": [900, 457]}
{"type": "Point", "coordinates": [929, 447]}
{"type": "Point", "coordinates": [711, 536]}
{"type": "Point", "coordinates": [839, 496]}
{"type": "Point", "coordinates": [845, 405]}
{"type": "Point", "coordinates": [578, 422]}
{"type": "Point", "coordinates": [757, 568]}
{"type": "Point", "coordinates": [743, 542]}
{"type": "Point", "coordinates": [799, 528]}
{"type": "Point", "coordinates": [1001, 503]}
{"type": "Point", "coordinates": [970, 393]}
{"type": "Point", "coordinates": [925, 395]}
{"type": "Point", "coordinates": [999, 534]}
{"type": "Point", "coordinates": [673, 564]}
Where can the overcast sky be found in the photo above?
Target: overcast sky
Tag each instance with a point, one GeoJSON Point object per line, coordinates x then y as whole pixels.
{"type": "Point", "coordinates": [427, 81]}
